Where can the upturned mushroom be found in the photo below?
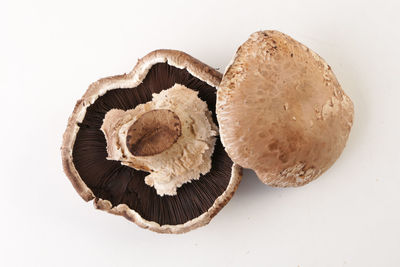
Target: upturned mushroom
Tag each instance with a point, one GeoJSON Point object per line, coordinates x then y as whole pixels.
{"type": "Point", "coordinates": [145, 145]}
{"type": "Point", "coordinates": [281, 110]}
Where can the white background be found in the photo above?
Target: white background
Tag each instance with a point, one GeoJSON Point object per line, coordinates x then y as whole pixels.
{"type": "Point", "coordinates": [50, 51]}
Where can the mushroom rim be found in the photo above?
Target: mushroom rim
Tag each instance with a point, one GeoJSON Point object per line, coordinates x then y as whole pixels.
{"type": "Point", "coordinates": [221, 100]}
{"type": "Point", "coordinates": [173, 58]}
{"type": "Point", "coordinates": [203, 219]}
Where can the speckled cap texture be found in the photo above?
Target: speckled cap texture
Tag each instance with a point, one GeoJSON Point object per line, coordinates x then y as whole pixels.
{"type": "Point", "coordinates": [282, 111]}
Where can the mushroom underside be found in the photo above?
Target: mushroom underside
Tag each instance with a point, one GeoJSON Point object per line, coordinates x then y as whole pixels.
{"type": "Point", "coordinates": [124, 185]}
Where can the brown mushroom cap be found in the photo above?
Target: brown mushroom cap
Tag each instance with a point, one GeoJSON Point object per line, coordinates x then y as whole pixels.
{"type": "Point", "coordinates": [282, 111]}
{"type": "Point", "coordinates": [121, 190]}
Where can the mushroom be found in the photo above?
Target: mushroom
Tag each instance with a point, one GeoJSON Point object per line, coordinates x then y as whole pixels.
{"type": "Point", "coordinates": [145, 145]}
{"type": "Point", "coordinates": [281, 110]}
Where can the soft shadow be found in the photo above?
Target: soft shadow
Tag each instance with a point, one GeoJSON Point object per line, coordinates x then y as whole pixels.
{"type": "Point", "coordinates": [251, 185]}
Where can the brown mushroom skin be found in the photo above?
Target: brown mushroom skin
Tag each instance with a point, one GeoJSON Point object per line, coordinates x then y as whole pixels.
{"type": "Point", "coordinates": [153, 132]}
{"type": "Point", "coordinates": [282, 111]}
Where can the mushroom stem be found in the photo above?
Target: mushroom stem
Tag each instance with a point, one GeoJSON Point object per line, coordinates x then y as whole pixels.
{"type": "Point", "coordinates": [153, 132]}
